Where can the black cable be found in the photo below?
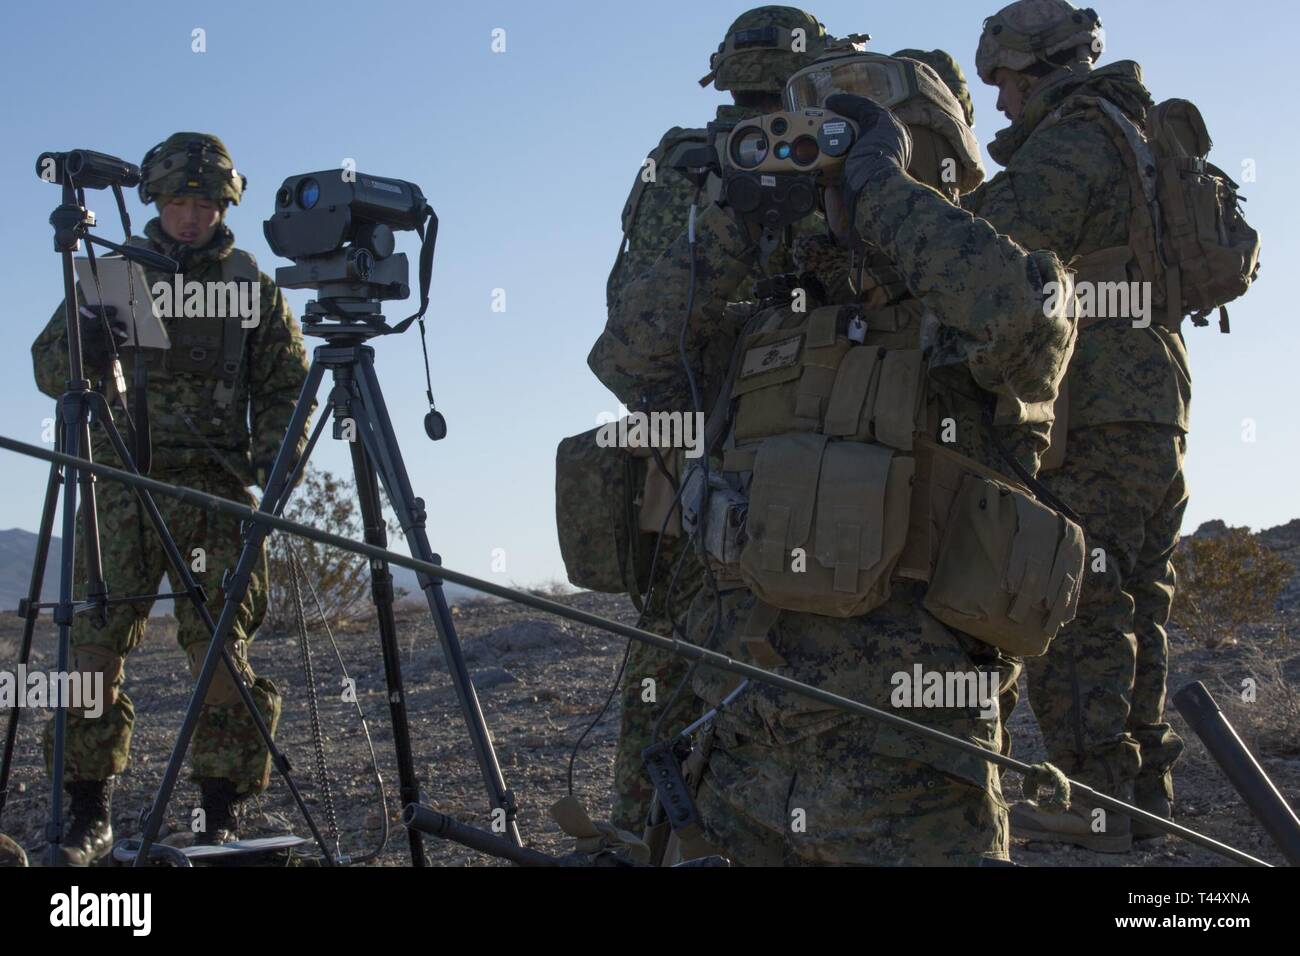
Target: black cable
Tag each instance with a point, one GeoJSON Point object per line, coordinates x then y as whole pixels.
{"type": "Point", "coordinates": [654, 561]}
{"type": "Point", "coordinates": [627, 651]}
{"type": "Point", "coordinates": [365, 726]}
{"type": "Point", "coordinates": [698, 535]}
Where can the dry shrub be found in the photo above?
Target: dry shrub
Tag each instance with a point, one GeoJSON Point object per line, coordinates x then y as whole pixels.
{"type": "Point", "coordinates": [1262, 700]}
{"type": "Point", "coordinates": [341, 579]}
{"type": "Point", "coordinates": [1226, 581]}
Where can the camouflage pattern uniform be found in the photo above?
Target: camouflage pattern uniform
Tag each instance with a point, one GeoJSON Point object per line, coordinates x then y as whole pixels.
{"type": "Point", "coordinates": [655, 214]}
{"type": "Point", "coordinates": [194, 444]}
{"type": "Point", "coordinates": [1099, 691]}
{"type": "Point", "coordinates": [789, 780]}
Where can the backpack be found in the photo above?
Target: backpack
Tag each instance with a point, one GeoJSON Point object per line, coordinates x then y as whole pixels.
{"type": "Point", "coordinates": [1188, 236]}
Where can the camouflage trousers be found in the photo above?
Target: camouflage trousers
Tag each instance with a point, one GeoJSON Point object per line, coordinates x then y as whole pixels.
{"type": "Point", "coordinates": [226, 743]}
{"type": "Point", "coordinates": [650, 680]}
{"type": "Point", "coordinates": [1099, 691]}
{"type": "Point", "coordinates": [791, 781]}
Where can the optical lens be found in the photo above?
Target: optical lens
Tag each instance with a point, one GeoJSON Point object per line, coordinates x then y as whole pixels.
{"type": "Point", "coordinates": [804, 151]}
{"type": "Point", "coordinates": [749, 149]}
{"type": "Point", "coordinates": [308, 193]}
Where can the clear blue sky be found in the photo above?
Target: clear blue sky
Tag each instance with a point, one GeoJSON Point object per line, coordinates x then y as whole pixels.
{"type": "Point", "coordinates": [527, 156]}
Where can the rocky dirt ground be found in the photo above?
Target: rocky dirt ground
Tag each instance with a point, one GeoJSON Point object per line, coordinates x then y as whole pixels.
{"type": "Point", "coordinates": [540, 681]}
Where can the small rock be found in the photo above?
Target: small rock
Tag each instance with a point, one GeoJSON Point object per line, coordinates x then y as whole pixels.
{"type": "Point", "coordinates": [525, 636]}
{"type": "Point", "coordinates": [491, 677]}
{"type": "Point", "coordinates": [534, 741]}
{"type": "Point", "coordinates": [476, 652]}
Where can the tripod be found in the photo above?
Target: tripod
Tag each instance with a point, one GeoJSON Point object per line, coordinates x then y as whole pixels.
{"type": "Point", "coordinates": [78, 409]}
{"type": "Point", "coordinates": [356, 406]}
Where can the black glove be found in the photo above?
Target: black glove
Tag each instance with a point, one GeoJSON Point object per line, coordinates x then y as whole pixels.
{"type": "Point", "coordinates": [96, 350]}
{"type": "Point", "coordinates": [883, 142]}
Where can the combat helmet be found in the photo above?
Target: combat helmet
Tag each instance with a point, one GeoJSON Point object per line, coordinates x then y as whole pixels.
{"type": "Point", "coordinates": [1051, 32]}
{"type": "Point", "coordinates": [763, 47]}
{"type": "Point", "coordinates": [193, 163]}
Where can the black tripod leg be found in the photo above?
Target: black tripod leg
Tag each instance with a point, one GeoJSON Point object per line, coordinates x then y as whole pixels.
{"type": "Point", "coordinates": [235, 586]}
{"type": "Point", "coordinates": [73, 412]}
{"type": "Point", "coordinates": [383, 448]}
{"type": "Point", "coordinates": [96, 589]}
{"type": "Point", "coordinates": [31, 611]}
{"type": "Point", "coordinates": [381, 590]}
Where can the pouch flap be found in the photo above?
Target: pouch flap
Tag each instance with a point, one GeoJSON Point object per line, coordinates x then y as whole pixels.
{"type": "Point", "coordinates": [1033, 554]}
{"type": "Point", "coordinates": [898, 399]}
{"type": "Point", "coordinates": [822, 324]}
{"type": "Point", "coordinates": [784, 494]}
{"type": "Point", "coordinates": [852, 386]}
{"type": "Point", "coordinates": [851, 509]}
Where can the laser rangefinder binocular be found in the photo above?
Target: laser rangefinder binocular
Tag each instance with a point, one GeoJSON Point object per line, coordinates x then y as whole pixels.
{"type": "Point", "coordinates": [803, 141]}
{"type": "Point", "coordinates": [774, 164]}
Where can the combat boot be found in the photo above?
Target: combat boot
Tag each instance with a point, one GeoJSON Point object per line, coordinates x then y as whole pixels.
{"type": "Point", "coordinates": [1074, 826]}
{"type": "Point", "coordinates": [1154, 794]}
{"type": "Point", "coordinates": [90, 828]}
{"type": "Point", "coordinates": [220, 812]}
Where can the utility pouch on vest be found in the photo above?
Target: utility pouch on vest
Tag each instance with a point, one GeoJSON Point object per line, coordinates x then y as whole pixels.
{"type": "Point", "coordinates": [1008, 570]}
{"type": "Point", "coordinates": [826, 525]}
{"type": "Point", "coordinates": [594, 512]}
{"type": "Point", "coordinates": [724, 522]}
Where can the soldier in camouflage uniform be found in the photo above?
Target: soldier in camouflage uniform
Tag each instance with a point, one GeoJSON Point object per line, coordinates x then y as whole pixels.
{"type": "Point", "coordinates": [789, 780]}
{"type": "Point", "coordinates": [220, 400]}
{"type": "Point", "coordinates": [753, 62]}
{"type": "Point", "coordinates": [1099, 692]}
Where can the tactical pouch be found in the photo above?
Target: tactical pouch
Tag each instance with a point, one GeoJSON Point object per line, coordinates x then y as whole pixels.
{"type": "Point", "coordinates": [877, 396]}
{"type": "Point", "coordinates": [594, 512]}
{"type": "Point", "coordinates": [196, 345]}
{"type": "Point", "coordinates": [826, 525]}
{"type": "Point", "coordinates": [1008, 570]}
{"type": "Point", "coordinates": [724, 518]}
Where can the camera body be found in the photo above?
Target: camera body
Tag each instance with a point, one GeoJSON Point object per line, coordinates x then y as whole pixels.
{"type": "Point", "coordinates": [337, 226]}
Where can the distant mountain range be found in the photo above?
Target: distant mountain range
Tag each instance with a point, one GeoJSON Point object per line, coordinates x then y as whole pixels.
{"type": "Point", "coordinates": [18, 550]}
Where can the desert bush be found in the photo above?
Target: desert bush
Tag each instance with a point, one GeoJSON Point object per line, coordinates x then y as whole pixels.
{"type": "Point", "coordinates": [1262, 698]}
{"type": "Point", "coordinates": [1226, 581]}
{"type": "Point", "coordinates": [554, 589]}
{"type": "Point", "coordinates": [341, 579]}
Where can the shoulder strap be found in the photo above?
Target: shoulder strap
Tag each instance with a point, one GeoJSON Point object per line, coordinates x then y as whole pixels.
{"type": "Point", "coordinates": [238, 266]}
{"type": "Point", "coordinates": [673, 141]}
{"type": "Point", "coordinates": [1146, 222]}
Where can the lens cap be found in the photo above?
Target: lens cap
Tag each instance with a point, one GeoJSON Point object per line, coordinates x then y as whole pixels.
{"type": "Point", "coordinates": [435, 426]}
